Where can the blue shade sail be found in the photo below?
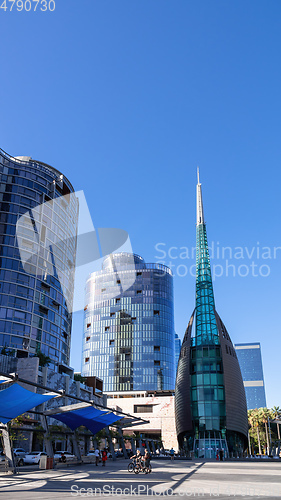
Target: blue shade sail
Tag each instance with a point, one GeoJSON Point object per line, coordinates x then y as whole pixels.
{"type": "Point", "coordinates": [90, 417]}
{"type": "Point", "coordinates": [16, 400]}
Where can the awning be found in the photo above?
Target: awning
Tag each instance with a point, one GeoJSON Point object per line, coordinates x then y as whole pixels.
{"type": "Point", "coordinates": [4, 379]}
{"type": "Point", "coordinates": [16, 400]}
{"type": "Point", "coordinates": [90, 417]}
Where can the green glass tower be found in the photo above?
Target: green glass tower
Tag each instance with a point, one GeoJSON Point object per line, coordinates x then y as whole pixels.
{"type": "Point", "coordinates": [210, 406]}
{"type": "Point", "coordinates": [206, 326]}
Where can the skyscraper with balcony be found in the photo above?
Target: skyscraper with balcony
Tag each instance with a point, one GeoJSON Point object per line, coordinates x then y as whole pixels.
{"type": "Point", "coordinates": [250, 361]}
{"type": "Point", "coordinates": [210, 404]}
{"type": "Point", "coordinates": [129, 332]}
{"type": "Point", "coordinates": [38, 227]}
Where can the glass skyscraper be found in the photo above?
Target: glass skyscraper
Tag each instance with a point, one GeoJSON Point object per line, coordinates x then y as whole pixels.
{"type": "Point", "coordinates": [250, 361]}
{"type": "Point", "coordinates": [129, 333]}
{"type": "Point", "coordinates": [211, 412]}
{"type": "Point", "coordinates": [36, 295]}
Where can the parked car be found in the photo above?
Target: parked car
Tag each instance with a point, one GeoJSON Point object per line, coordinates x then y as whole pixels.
{"type": "Point", "coordinates": [19, 454]}
{"type": "Point", "coordinates": [33, 457]}
{"type": "Point", "coordinates": [68, 456]}
{"type": "Point", "coordinates": [91, 453]}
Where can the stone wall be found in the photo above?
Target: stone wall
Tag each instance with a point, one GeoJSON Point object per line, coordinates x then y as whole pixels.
{"type": "Point", "coordinates": [161, 420]}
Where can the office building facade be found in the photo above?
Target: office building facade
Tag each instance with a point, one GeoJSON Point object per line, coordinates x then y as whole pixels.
{"type": "Point", "coordinates": [129, 333]}
{"type": "Point", "coordinates": [38, 231]}
{"type": "Point", "coordinates": [250, 361]}
{"type": "Point", "coordinates": [210, 403]}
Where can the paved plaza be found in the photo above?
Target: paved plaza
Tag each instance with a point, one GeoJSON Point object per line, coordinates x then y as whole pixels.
{"type": "Point", "coordinates": [180, 479]}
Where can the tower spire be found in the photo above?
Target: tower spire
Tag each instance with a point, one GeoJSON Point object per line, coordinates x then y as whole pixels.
{"type": "Point", "coordinates": [206, 328]}
{"type": "Point", "coordinates": [199, 202]}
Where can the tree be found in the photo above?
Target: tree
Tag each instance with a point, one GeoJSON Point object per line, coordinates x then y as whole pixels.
{"type": "Point", "coordinates": [78, 377]}
{"type": "Point", "coordinates": [7, 352]}
{"type": "Point", "coordinates": [43, 359]}
{"type": "Point", "coordinates": [276, 411]}
{"type": "Point", "coordinates": [265, 414]}
{"type": "Point", "coordinates": [259, 427]}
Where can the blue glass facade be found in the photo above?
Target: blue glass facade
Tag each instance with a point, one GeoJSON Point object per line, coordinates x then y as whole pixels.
{"type": "Point", "coordinates": [250, 361]}
{"type": "Point", "coordinates": [129, 334]}
{"type": "Point", "coordinates": [34, 312]}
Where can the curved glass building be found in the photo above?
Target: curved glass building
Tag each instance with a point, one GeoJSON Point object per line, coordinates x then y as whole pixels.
{"type": "Point", "coordinates": [38, 226]}
{"type": "Point", "coordinates": [210, 402]}
{"type": "Point", "coordinates": [129, 333]}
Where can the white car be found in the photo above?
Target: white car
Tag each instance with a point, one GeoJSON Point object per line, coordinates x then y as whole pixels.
{"type": "Point", "coordinates": [33, 457]}
{"type": "Point", "coordinates": [68, 456]}
{"type": "Point", "coordinates": [91, 453]}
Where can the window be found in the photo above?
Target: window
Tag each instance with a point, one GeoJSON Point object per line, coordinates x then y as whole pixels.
{"type": "Point", "coordinates": [86, 307]}
{"type": "Point", "coordinates": [156, 362]}
{"type": "Point", "coordinates": [112, 314]}
{"type": "Point", "coordinates": [45, 285]}
{"type": "Point", "coordinates": [107, 328]}
{"type": "Point", "coordinates": [111, 342]}
{"type": "Point", "coordinates": [143, 408]}
{"type": "Point", "coordinates": [116, 301]}
{"type": "Point", "coordinates": [139, 291]}
{"type": "Point", "coordinates": [156, 313]}
{"type": "Point", "coordinates": [43, 309]}
{"type": "Point", "coordinates": [157, 348]}
{"type": "Point", "coordinates": [139, 273]}
{"type": "Point", "coordinates": [87, 339]}
{"type": "Point", "coordinates": [103, 289]}
{"type": "Point", "coordinates": [118, 282]}
{"type": "Point", "coordinates": [87, 360]}
{"type": "Point", "coordinates": [88, 325]}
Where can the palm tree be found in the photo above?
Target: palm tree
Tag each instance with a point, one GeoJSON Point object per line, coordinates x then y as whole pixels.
{"type": "Point", "coordinates": [254, 422]}
{"type": "Point", "coordinates": [276, 412]}
{"type": "Point", "coordinates": [264, 416]}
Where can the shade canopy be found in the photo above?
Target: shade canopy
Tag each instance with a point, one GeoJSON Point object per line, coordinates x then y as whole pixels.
{"type": "Point", "coordinates": [4, 379]}
{"type": "Point", "coordinates": [15, 400]}
{"type": "Point", "coordinates": [90, 417]}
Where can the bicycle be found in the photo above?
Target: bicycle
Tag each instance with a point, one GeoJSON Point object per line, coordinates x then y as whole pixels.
{"type": "Point", "coordinates": [139, 467]}
{"type": "Point", "coordinates": [131, 466]}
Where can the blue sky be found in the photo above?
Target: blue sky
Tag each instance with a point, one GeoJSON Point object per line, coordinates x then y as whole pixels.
{"type": "Point", "coordinates": [127, 98]}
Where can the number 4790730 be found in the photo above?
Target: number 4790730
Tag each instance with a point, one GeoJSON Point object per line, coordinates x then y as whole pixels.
{"type": "Point", "coordinates": [28, 5]}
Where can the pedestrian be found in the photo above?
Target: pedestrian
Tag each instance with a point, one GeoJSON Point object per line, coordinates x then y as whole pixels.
{"type": "Point", "coordinates": [172, 454]}
{"type": "Point", "coordinates": [104, 457]}
{"type": "Point", "coordinates": [147, 458]}
{"type": "Point", "coordinates": [221, 455]}
{"type": "Point", "coordinates": [97, 455]}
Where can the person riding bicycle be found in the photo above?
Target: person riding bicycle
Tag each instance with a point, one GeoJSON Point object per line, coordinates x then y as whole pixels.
{"type": "Point", "coordinates": [147, 458]}
{"type": "Point", "coordinates": [137, 457]}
